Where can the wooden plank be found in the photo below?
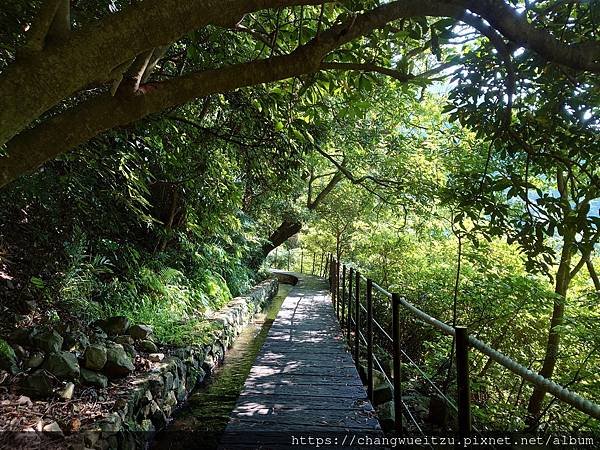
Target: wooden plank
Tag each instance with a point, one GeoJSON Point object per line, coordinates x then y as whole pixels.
{"type": "Point", "coordinates": [348, 378]}
{"type": "Point", "coordinates": [306, 370]}
{"type": "Point", "coordinates": [304, 358]}
{"type": "Point", "coordinates": [278, 349]}
{"type": "Point", "coordinates": [299, 362]}
{"type": "Point", "coordinates": [249, 402]}
{"type": "Point", "coordinates": [307, 415]}
{"type": "Point", "coordinates": [282, 425]}
{"type": "Point", "coordinates": [331, 420]}
{"type": "Point", "coordinates": [337, 418]}
{"type": "Point", "coordinates": [329, 390]}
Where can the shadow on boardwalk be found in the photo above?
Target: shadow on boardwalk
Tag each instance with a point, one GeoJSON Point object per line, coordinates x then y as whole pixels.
{"type": "Point", "coordinates": [303, 383]}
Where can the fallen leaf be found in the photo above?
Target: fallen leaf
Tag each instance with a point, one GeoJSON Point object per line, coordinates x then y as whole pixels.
{"type": "Point", "coordinates": [24, 400]}
{"type": "Point", "coordinates": [74, 425]}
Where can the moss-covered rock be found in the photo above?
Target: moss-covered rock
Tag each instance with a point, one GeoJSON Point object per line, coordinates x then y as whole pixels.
{"type": "Point", "coordinates": [47, 340]}
{"type": "Point", "coordinates": [114, 326]}
{"type": "Point", "coordinates": [93, 378]}
{"type": "Point", "coordinates": [140, 331]}
{"type": "Point", "coordinates": [36, 359]}
{"type": "Point", "coordinates": [38, 384]}
{"type": "Point", "coordinates": [76, 340]}
{"type": "Point", "coordinates": [95, 357]}
{"type": "Point", "coordinates": [62, 365]}
{"type": "Point", "coordinates": [148, 346]}
{"type": "Point", "coordinates": [386, 414]}
{"type": "Point", "coordinates": [118, 362]}
{"type": "Point", "coordinates": [8, 359]}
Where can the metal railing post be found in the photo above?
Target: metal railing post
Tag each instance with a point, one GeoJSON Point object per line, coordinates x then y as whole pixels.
{"type": "Point", "coordinates": [343, 305]}
{"type": "Point", "coordinates": [312, 269]}
{"type": "Point", "coordinates": [338, 269]}
{"type": "Point", "coordinates": [349, 315]}
{"type": "Point", "coordinates": [334, 287]}
{"type": "Point", "coordinates": [334, 281]}
{"type": "Point", "coordinates": [357, 319]}
{"type": "Point", "coordinates": [397, 363]}
{"type": "Point", "coordinates": [301, 260]}
{"type": "Point", "coordinates": [462, 381]}
{"type": "Point", "coordinates": [288, 265]}
{"type": "Point", "coordinates": [370, 338]}
{"type": "Point", "coordinates": [321, 271]}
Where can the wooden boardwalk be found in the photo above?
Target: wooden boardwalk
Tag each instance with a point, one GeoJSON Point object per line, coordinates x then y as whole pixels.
{"type": "Point", "coordinates": [303, 380]}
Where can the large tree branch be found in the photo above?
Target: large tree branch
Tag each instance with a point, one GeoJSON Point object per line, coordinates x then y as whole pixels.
{"type": "Point", "coordinates": [34, 84]}
{"type": "Point", "coordinates": [52, 21]}
{"type": "Point", "coordinates": [333, 182]}
{"type": "Point", "coordinates": [157, 54]}
{"type": "Point", "coordinates": [31, 148]}
{"type": "Point", "coordinates": [575, 270]}
{"type": "Point", "coordinates": [130, 81]}
{"type": "Point", "coordinates": [286, 230]}
{"type": "Point", "coordinates": [515, 27]}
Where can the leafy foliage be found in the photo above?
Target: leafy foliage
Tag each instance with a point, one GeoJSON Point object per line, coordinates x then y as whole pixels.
{"type": "Point", "coordinates": [468, 180]}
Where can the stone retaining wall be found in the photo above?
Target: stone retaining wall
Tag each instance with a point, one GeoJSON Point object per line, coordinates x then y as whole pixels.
{"type": "Point", "coordinates": [156, 394]}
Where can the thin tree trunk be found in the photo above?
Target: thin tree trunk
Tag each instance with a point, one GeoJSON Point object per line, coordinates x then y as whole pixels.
{"type": "Point", "coordinates": [552, 347]}
{"type": "Point", "coordinates": [593, 274]}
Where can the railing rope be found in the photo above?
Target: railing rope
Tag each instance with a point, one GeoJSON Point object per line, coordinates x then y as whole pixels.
{"type": "Point", "coordinates": [549, 386]}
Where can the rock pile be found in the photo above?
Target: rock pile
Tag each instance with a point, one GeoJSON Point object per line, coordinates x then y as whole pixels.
{"type": "Point", "coordinates": [58, 364]}
{"type": "Point", "coordinates": [43, 357]}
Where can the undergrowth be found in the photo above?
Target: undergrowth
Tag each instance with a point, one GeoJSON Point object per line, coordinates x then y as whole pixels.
{"type": "Point", "coordinates": [171, 292]}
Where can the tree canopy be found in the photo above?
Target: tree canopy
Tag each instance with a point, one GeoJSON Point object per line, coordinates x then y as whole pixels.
{"type": "Point", "coordinates": [153, 153]}
{"type": "Point", "coordinates": [55, 86]}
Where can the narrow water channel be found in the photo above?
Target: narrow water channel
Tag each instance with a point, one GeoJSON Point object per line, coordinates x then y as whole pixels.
{"type": "Point", "coordinates": [201, 422]}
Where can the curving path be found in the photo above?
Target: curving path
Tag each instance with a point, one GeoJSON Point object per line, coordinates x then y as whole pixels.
{"type": "Point", "coordinates": [303, 382]}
